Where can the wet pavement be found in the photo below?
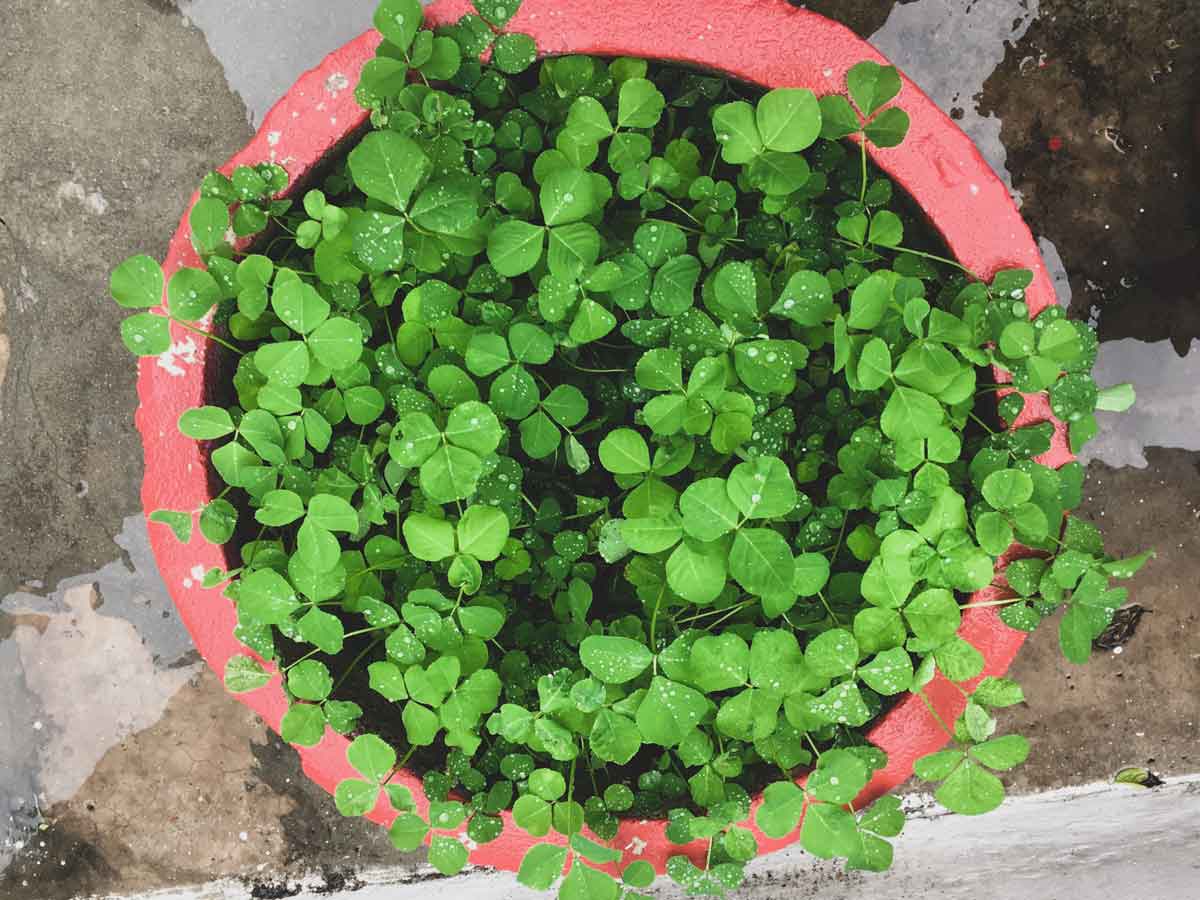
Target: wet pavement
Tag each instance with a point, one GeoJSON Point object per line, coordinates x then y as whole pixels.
{"type": "Point", "coordinates": [124, 767]}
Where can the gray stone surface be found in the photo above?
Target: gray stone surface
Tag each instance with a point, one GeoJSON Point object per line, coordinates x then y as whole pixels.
{"type": "Point", "coordinates": [264, 45]}
{"type": "Point", "coordinates": [123, 766]}
{"type": "Point", "coordinates": [110, 112]}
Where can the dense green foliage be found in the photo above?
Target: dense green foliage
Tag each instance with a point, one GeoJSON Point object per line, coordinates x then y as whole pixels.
{"type": "Point", "coordinates": [604, 429]}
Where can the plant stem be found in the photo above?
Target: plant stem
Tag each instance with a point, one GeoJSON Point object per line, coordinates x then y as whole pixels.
{"type": "Point", "coordinates": [367, 649]}
{"type": "Point", "coordinates": [828, 608]}
{"type": "Point", "coordinates": [569, 518]}
{"type": "Point", "coordinates": [714, 612]}
{"type": "Point", "coordinates": [933, 712]}
{"type": "Point", "coordinates": [307, 655]}
{"type": "Point", "coordinates": [675, 224]}
{"type": "Point", "coordinates": [682, 210]}
{"type": "Point", "coordinates": [361, 572]}
{"type": "Point", "coordinates": [594, 371]}
{"type": "Point", "coordinates": [733, 610]}
{"type": "Point", "coordinates": [935, 258]}
{"type": "Point", "coordinates": [654, 625]}
{"type": "Point", "coordinates": [592, 775]}
{"type": "Point", "coordinates": [982, 424]}
{"type": "Point", "coordinates": [862, 143]}
{"type": "Point", "coordinates": [838, 548]}
{"type": "Point", "coordinates": [986, 603]}
{"type": "Point", "coordinates": [811, 743]}
{"type": "Point", "coordinates": [348, 634]}
{"type": "Point", "coordinates": [206, 334]}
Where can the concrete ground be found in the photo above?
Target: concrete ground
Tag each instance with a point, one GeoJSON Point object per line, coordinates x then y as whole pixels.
{"type": "Point", "coordinates": [124, 768]}
{"type": "Point", "coordinates": [1067, 852]}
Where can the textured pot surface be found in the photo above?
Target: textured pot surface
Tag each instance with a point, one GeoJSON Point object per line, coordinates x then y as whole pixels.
{"type": "Point", "coordinates": [767, 42]}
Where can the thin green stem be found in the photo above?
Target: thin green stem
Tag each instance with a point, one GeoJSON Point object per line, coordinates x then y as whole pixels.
{"type": "Point", "coordinates": [912, 252]}
{"type": "Point", "coordinates": [682, 210]}
{"type": "Point", "coordinates": [812, 743]}
{"type": "Point", "coordinates": [841, 535]}
{"type": "Point", "coordinates": [571, 776]}
{"type": "Point", "coordinates": [982, 424]}
{"type": "Point", "coordinates": [862, 193]}
{"type": "Point", "coordinates": [986, 603]}
{"type": "Point", "coordinates": [309, 654]}
{"type": "Point", "coordinates": [733, 611]}
{"type": "Point", "coordinates": [592, 775]}
{"type": "Point", "coordinates": [207, 334]}
{"type": "Point", "coordinates": [714, 612]}
{"type": "Point", "coordinates": [351, 634]}
{"type": "Point", "coordinates": [569, 518]}
{"type": "Point", "coordinates": [654, 625]}
{"type": "Point", "coordinates": [933, 712]}
{"type": "Point", "coordinates": [935, 258]}
{"type": "Point", "coordinates": [828, 608]}
{"type": "Point", "coordinates": [361, 572]}
{"type": "Point", "coordinates": [354, 664]}
{"type": "Point", "coordinates": [675, 224]}
{"type": "Point", "coordinates": [593, 371]}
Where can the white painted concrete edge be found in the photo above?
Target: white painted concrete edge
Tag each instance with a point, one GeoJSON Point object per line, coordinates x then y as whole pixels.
{"type": "Point", "coordinates": [1094, 842]}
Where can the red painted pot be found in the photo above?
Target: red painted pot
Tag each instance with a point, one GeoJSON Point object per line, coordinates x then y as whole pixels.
{"type": "Point", "coordinates": [766, 42]}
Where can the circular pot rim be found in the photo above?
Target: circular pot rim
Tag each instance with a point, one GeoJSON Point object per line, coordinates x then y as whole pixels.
{"type": "Point", "coordinates": [767, 42]}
